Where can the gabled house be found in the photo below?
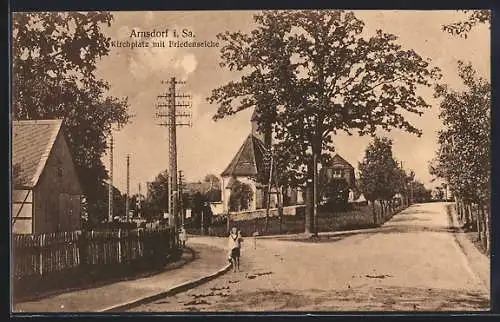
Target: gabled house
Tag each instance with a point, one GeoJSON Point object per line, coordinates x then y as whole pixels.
{"type": "Point", "coordinates": [46, 193]}
{"type": "Point", "coordinates": [337, 177]}
{"type": "Point", "coordinates": [339, 168]}
{"type": "Point", "coordinates": [246, 165]}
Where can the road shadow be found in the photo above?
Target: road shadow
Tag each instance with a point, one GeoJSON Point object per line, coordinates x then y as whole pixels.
{"type": "Point", "coordinates": [186, 256]}
{"type": "Point", "coordinates": [408, 217]}
{"type": "Point", "coordinates": [398, 225]}
{"type": "Point", "coordinates": [412, 211]}
{"type": "Point", "coordinates": [365, 298]}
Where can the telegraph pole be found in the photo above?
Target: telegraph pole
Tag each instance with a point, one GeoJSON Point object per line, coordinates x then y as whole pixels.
{"type": "Point", "coordinates": [315, 194]}
{"type": "Point", "coordinates": [168, 118]}
{"type": "Point", "coordinates": [110, 185]}
{"type": "Point", "coordinates": [127, 210]}
{"type": "Point", "coordinates": [181, 188]}
{"type": "Point", "coordinates": [269, 185]}
{"type": "Point", "coordinates": [139, 199]}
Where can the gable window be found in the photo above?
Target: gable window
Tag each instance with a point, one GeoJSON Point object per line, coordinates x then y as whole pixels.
{"type": "Point", "coordinates": [338, 173]}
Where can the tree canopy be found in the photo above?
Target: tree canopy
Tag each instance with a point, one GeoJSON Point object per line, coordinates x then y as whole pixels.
{"type": "Point", "coordinates": [474, 17]}
{"type": "Point", "coordinates": [241, 196]}
{"type": "Point", "coordinates": [157, 200]}
{"type": "Point", "coordinates": [379, 172]}
{"type": "Point", "coordinates": [463, 158]}
{"type": "Point", "coordinates": [54, 61]}
{"type": "Point", "coordinates": [312, 74]}
{"type": "Point", "coordinates": [381, 177]}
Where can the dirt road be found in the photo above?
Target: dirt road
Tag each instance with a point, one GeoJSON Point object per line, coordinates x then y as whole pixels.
{"type": "Point", "coordinates": [412, 263]}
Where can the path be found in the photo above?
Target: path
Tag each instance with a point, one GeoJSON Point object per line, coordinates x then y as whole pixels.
{"type": "Point", "coordinates": [412, 263]}
{"type": "Point", "coordinates": [208, 260]}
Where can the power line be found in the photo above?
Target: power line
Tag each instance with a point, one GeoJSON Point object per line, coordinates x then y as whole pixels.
{"type": "Point", "coordinates": [181, 203]}
{"type": "Point", "coordinates": [167, 116]}
{"type": "Point", "coordinates": [127, 210]}
{"type": "Point", "coordinates": [110, 185]}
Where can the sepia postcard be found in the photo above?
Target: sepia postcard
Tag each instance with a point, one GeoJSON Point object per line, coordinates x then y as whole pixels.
{"type": "Point", "coordinates": [251, 161]}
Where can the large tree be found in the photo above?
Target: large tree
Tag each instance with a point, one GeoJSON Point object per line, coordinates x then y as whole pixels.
{"type": "Point", "coordinates": [314, 73]}
{"type": "Point", "coordinates": [214, 192]}
{"type": "Point", "coordinates": [54, 56]}
{"type": "Point", "coordinates": [464, 157]}
{"type": "Point", "coordinates": [380, 176]}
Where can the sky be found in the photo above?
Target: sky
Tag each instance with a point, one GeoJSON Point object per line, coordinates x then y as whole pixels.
{"type": "Point", "coordinates": [208, 146]}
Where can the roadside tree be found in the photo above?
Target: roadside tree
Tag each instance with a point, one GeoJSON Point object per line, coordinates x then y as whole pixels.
{"type": "Point", "coordinates": [464, 156]}
{"type": "Point", "coordinates": [54, 56]}
{"type": "Point", "coordinates": [380, 176]}
{"type": "Point", "coordinates": [312, 74]}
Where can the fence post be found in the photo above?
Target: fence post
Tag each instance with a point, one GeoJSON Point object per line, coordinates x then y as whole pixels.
{"type": "Point", "coordinates": [119, 245]}
{"type": "Point", "coordinates": [81, 248]}
{"type": "Point", "coordinates": [40, 253]}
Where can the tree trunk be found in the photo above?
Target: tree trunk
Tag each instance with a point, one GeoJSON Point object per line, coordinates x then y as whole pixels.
{"type": "Point", "coordinates": [478, 224]}
{"type": "Point", "coordinates": [374, 212]}
{"type": "Point", "coordinates": [458, 210]}
{"type": "Point", "coordinates": [309, 208]}
{"type": "Point", "coordinates": [482, 214]}
{"type": "Point", "coordinates": [488, 229]}
{"type": "Point", "coordinates": [466, 216]}
{"type": "Point", "coordinates": [280, 207]}
{"type": "Point", "coordinates": [380, 214]}
{"type": "Point", "coordinates": [463, 215]}
{"type": "Point", "coordinates": [471, 217]}
{"type": "Point", "coordinates": [315, 193]}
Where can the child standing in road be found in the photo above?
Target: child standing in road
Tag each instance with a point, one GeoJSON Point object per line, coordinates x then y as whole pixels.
{"type": "Point", "coordinates": [234, 246]}
{"type": "Point", "coordinates": [183, 236]}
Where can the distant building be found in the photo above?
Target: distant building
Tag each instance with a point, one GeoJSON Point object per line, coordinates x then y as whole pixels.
{"type": "Point", "coordinates": [46, 194]}
{"type": "Point", "coordinates": [338, 168]}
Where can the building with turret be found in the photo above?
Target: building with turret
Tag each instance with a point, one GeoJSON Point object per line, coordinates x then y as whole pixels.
{"type": "Point", "coordinates": [247, 165]}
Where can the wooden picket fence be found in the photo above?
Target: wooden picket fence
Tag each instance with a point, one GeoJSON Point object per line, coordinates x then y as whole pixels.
{"type": "Point", "coordinates": [49, 254]}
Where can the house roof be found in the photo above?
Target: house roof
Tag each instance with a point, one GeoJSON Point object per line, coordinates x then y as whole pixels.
{"type": "Point", "coordinates": [338, 161]}
{"type": "Point", "coordinates": [249, 160]}
{"type": "Point", "coordinates": [32, 142]}
{"type": "Point", "coordinates": [254, 115]}
{"type": "Point", "coordinates": [361, 198]}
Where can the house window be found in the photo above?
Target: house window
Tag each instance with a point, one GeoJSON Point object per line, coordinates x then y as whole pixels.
{"type": "Point", "coordinates": [338, 173]}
